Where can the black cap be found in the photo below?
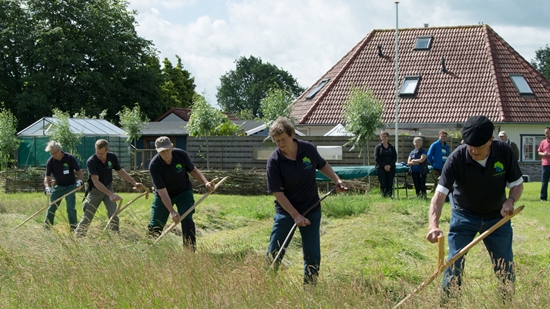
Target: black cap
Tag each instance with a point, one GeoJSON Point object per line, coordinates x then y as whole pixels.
{"type": "Point", "coordinates": [477, 131]}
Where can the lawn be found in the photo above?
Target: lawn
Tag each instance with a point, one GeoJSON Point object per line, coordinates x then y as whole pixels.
{"type": "Point", "coordinates": [374, 254]}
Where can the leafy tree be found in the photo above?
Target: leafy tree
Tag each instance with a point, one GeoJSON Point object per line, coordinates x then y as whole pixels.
{"type": "Point", "coordinates": [542, 61]}
{"type": "Point", "coordinates": [82, 114]}
{"type": "Point", "coordinates": [9, 142]}
{"type": "Point", "coordinates": [71, 54]}
{"type": "Point", "coordinates": [61, 132]}
{"type": "Point", "coordinates": [246, 114]}
{"type": "Point", "coordinates": [133, 121]}
{"type": "Point", "coordinates": [208, 121]}
{"type": "Point", "coordinates": [178, 87]}
{"type": "Point", "coordinates": [363, 116]}
{"type": "Point", "coordinates": [277, 103]}
{"type": "Point", "coordinates": [248, 84]}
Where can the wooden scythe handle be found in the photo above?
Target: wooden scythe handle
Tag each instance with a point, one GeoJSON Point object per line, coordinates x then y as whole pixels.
{"type": "Point", "coordinates": [174, 224]}
{"type": "Point", "coordinates": [460, 254]}
{"type": "Point", "coordinates": [43, 208]}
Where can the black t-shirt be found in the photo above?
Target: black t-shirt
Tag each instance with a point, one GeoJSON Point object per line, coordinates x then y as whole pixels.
{"type": "Point", "coordinates": [63, 170]}
{"type": "Point", "coordinates": [174, 176]}
{"type": "Point", "coordinates": [385, 156]}
{"type": "Point", "coordinates": [480, 190]}
{"type": "Point", "coordinates": [296, 179]}
{"type": "Point", "coordinates": [103, 170]}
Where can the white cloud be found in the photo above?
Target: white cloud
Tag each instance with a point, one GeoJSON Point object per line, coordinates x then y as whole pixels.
{"type": "Point", "coordinates": [167, 4]}
{"type": "Point", "coordinates": [308, 37]}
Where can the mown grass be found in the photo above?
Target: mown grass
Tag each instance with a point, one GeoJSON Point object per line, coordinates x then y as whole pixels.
{"type": "Point", "coordinates": [374, 254]}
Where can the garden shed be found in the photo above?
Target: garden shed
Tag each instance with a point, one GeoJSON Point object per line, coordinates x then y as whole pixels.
{"type": "Point", "coordinates": [31, 151]}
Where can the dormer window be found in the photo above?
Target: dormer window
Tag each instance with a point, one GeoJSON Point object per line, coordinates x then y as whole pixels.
{"type": "Point", "coordinates": [423, 43]}
{"type": "Point", "coordinates": [409, 86]}
{"type": "Point", "coordinates": [521, 84]}
{"type": "Point", "coordinates": [320, 86]}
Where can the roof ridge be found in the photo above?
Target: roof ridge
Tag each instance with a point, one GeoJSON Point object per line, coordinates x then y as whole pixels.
{"type": "Point", "coordinates": [436, 27]}
{"type": "Point", "coordinates": [354, 52]}
{"type": "Point", "coordinates": [492, 58]}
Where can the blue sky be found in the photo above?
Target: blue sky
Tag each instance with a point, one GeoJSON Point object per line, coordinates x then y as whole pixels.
{"type": "Point", "coordinates": [307, 37]}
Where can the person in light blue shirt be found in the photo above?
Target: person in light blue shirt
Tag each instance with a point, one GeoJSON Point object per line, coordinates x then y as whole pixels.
{"type": "Point", "coordinates": [438, 152]}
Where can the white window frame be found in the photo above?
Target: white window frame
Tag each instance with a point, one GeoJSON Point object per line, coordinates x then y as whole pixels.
{"type": "Point", "coordinates": [529, 147]}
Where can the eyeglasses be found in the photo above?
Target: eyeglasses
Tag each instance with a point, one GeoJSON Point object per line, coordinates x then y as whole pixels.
{"type": "Point", "coordinates": [54, 153]}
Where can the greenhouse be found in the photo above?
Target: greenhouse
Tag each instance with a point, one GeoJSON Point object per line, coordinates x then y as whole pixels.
{"type": "Point", "coordinates": [34, 138]}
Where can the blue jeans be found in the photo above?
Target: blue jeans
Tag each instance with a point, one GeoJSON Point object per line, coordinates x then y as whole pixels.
{"type": "Point", "coordinates": [544, 187]}
{"type": "Point", "coordinates": [311, 242]}
{"type": "Point", "coordinates": [463, 229]}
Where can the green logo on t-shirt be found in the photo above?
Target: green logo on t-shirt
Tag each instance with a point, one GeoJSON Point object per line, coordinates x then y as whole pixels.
{"type": "Point", "coordinates": [499, 168]}
{"type": "Point", "coordinates": [179, 167]}
{"type": "Point", "coordinates": [307, 162]}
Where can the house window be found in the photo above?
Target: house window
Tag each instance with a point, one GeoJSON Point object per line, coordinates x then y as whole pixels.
{"type": "Point", "coordinates": [521, 84]}
{"type": "Point", "coordinates": [423, 42]}
{"type": "Point", "coordinates": [317, 89]}
{"type": "Point", "coordinates": [410, 85]}
{"type": "Point", "coordinates": [529, 147]}
{"type": "Point", "coordinates": [263, 152]}
{"type": "Point", "coordinates": [330, 152]}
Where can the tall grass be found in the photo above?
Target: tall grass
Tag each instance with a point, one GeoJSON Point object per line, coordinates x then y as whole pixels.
{"type": "Point", "coordinates": [374, 254]}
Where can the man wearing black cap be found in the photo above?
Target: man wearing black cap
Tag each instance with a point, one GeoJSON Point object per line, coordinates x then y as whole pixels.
{"type": "Point", "coordinates": [169, 170]}
{"type": "Point", "coordinates": [480, 171]}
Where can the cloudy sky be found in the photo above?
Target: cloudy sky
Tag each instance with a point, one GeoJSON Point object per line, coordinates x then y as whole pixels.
{"type": "Point", "coordinates": [307, 37]}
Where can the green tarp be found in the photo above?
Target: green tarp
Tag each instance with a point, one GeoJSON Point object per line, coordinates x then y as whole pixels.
{"type": "Point", "coordinates": [354, 172]}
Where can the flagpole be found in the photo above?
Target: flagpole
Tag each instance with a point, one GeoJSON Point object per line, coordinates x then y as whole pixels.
{"type": "Point", "coordinates": [396, 77]}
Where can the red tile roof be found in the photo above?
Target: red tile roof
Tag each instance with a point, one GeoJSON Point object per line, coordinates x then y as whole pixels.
{"type": "Point", "coordinates": [184, 114]}
{"type": "Point", "coordinates": [478, 61]}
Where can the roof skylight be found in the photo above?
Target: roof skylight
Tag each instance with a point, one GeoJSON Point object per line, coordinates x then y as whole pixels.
{"type": "Point", "coordinates": [320, 86]}
{"type": "Point", "coordinates": [410, 85]}
{"type": "Point", "coordinates": [521, 84]}
{"type": "Point", "coordinates": [423, 42]}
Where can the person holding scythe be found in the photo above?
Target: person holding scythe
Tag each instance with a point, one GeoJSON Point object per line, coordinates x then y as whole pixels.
{"type": "Point", "coordinates": [170, 169]}
{"type": "Point", "coordinates": [62, 165]}
{"type": "Point", "coordinates": [100, 187]}
{"type": "Point", "coordinates": [480, 170]}
{"type": "Point", "coordinates": [291, 172]}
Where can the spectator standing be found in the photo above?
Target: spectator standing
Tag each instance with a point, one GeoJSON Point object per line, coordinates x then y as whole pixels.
{"type": "Point", "coordinates": [504, 138]}
{"type": "Point", "coordinates": [438, 152]}
{"type": "Point", "coordinates": [544, 152]}
{"type": "Point", "coordinates": [62, 166]}
{"type": "Point", "coordinates": [170, 169]}
{"type": "Point", "coordinates": [385, 156]}
{"type": "Point", "coordinates": [481, 171]}
{"type": "Point", "coordinates": [100, 186]}
{"type": "Point", "coordinates": [418, 167]}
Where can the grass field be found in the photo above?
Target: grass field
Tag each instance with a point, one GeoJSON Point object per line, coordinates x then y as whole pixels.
{"type": "Point", "coordinates": [374, 254]}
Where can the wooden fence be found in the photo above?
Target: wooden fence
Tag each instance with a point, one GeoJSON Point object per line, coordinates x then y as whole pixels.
{"type": "Point", "coordinates": [241, 158]}
{"type": "Point", "coordinates": [248, 153]}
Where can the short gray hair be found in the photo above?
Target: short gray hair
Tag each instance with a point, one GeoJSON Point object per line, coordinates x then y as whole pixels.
{"type": "Point", "coordinates": [281, 125]}
{"type": "Point", "coordinates": [53, 145]}
{"type": "Point", "coordinates": [418, 138]}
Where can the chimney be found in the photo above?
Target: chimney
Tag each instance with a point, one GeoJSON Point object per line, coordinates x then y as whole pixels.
{"type": "Point", "coordinates": [426, 25]}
